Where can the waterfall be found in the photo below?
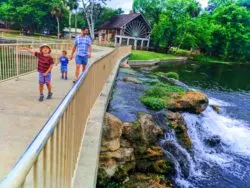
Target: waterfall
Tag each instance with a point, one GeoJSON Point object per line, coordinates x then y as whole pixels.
{"type": "Point", "coordinates": [232, 146]}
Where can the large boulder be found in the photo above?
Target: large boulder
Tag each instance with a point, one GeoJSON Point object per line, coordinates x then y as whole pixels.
{"type": "Point", "coordinates": [141, 180]}
{"type": "Point", "coordinates": [191, 101]}
{"type": "Point", "coordinates": [177, 123]}
{"type": "Point", "coordinates": [112, 130]}
{"type": "Point", "coordinates": [144, 132]}
{"type": "Point", "coordinates": [120, 155]}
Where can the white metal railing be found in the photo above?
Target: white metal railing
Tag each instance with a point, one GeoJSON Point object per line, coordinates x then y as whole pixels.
{"type": "Point", "coordinates": [51, 159]}
{"type": "Point", "coordinates": [31, 39]}
{"type": "Point", "coordinates": [14, 63]}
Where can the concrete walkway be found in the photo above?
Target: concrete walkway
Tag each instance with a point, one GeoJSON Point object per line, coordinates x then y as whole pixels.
{"type": "Point", "coordinates": [22, 116]}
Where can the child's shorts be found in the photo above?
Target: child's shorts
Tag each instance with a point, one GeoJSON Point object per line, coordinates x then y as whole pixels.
{"type": "Point", "coordinates": [44, 79]}
{"type": "Point", "coordinates": [64, 69]}
{"type": "Point", "coordinates": [82, 60]}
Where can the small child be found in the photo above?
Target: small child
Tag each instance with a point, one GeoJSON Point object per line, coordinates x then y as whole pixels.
{"type": "Point", "coordinates": [44, 67]}
{"type": "Point", "coordinates": [64, 64]}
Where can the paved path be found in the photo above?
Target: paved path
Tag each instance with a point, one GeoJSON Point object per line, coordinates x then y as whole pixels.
{"type": "Point", "coordinates": [22, 116]}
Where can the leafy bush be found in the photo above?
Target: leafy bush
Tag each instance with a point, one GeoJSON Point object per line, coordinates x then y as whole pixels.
{"type": "Point", "coordinates": [155, 91]}
{"type": "Point", "coordinates": [173, 75]}
{"type": "Point", "coordinates": [153, 103]}
{"type": "Point", "coordinates": [156, 97]}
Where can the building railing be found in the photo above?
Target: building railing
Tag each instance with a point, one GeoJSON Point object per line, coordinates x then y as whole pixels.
{"type": "Point", "coordinates": [30, 39]}
{"type": "Point", "coordinates": [51, 159]}
{"type": "Point", "coordinates": [14, 62]}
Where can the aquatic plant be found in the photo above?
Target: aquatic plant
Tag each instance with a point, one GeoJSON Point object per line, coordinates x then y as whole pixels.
{"type": "Point", "coordinates": [173, 75]}
{"type": "Point", "coordinates": [156, 97]}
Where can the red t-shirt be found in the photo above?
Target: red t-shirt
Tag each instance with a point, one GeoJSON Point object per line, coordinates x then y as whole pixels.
{"type": "Point", "coordinates": [44, 62]}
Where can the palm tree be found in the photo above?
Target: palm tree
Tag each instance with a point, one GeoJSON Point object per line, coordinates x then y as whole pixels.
{"type": "Point", "coordinates": [57, 13]}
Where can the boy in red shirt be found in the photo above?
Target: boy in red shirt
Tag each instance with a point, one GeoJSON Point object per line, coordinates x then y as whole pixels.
{"type": "Point", "coordinates": [44, 67]}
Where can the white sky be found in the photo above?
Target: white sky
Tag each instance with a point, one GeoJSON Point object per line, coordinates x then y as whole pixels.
{"type": "Point", "coordinates": [126, 5]}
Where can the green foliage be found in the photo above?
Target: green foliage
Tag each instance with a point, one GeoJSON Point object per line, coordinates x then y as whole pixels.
{"type": "Point", "coordinates": [147, 55]}
{"type": "Point", "coordinates": [31, 14]}
{"type": "Point", "coordinates": [174, 21]}
{"type": "Point", "coordinates": [155, 97]}
{"type": "Point", "coordinates": [153, 103]}
{"type": "Point", "coordinates": [151, 9]}
{"type": "Point", "coordinates": [173, 75]}
{"type": "Point", "coordinates": [221, 31]}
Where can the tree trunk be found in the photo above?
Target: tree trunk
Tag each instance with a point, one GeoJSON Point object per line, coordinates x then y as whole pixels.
{"type": "Point", "coordinates": [58, 27]}
{"type": "Point", "coordinates": [70, 23]}
{"type": "Point", "coordinates": [76, 23]}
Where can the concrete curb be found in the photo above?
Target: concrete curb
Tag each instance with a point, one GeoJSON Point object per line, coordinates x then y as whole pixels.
{"type": "Point", "coordinates": [86, 173]}
{"type": "Point", "coordinates": [151, 63]}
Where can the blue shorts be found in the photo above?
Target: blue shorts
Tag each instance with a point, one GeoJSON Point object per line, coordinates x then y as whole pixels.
{"type": "Point", "coordinates": [44, 79]}
{"type": "Point", "coordinates": [81, 60]}
{"type": "Point", "coordinates": [64, 69]}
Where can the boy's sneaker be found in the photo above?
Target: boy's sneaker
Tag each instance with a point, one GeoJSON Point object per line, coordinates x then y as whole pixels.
{"type": "Point", "coordinates": [49, 95]}
{"type": "Point", "coordinates": [41, 98]}
{"type": "Point", "coordinates": [62, 77]}
{"type": "Point", "coordinates": [66, 78]}
{"type": "Point", "coordinates": [74, 81]}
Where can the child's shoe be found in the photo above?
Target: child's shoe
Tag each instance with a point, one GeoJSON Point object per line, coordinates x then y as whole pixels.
{"type": "Point", "coordinates": [49, 95]}
{"type": "Point", "coordinates": [62, 77]}
{"type": "Point", "coordinates": [41, 98]}
{"type": "Point", "coordinates": [66, 78]}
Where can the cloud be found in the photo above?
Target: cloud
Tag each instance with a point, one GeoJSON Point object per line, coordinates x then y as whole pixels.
{"type": "Point", "coordinates": [126, 5]}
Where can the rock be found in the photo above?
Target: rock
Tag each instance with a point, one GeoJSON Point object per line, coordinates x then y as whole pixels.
{"type": "Point", "coordinates": [214, 141]}
{"type": "Point", "coordinates": [216, 108]}
{"type": "Point", "coordinates": [177, 123]}
{"type": "Point", "coordinates": [194, 102]}
{"type": "Point", "coordinates": [107, 169]}
{"type": "Point", "coordinates": [121, 155]}
{"type": "Point", "coordinates": [112, 131]}
{"type": "Point", "coordinates": [151, 153]}
{"type": "Point", "coordinates": [161, 166]}
{"type": "Point", "coordinates": [127, 71]}
{"type": "Point", "coordinates": [131, 79]}
{"type": "Point", "coordinates": [149, 180]}
{"type": "Point", "coordinates": [125, 65]}
{"type": "Point", "coordinates": [125, 143]}
{"type": "Point", "coordinates": [151, 132]}
{"type": "Point", "coordinates": [143, 132]}
{"type": "Point", "coordinates": [122, 172]}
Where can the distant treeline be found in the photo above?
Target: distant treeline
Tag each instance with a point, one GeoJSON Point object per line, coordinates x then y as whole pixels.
{"type": "Point", "coordinates": [222, 29]}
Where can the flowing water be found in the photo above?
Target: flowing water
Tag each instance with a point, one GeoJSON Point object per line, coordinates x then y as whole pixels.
{"type": "Point", "coordinates": [226, 165]}
{"type": "Point", "coordinates": [226, 162]}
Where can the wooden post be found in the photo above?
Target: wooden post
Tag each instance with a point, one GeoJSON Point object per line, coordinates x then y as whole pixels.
{"type": "Point", "coordinates": [115, 40]}
{"type": "Point", "coordinates": [120, 42]}
{"type": "Point", "coordinates": [135, 44]}
{"type": "Point", "coordinates": [142, 41]}
{"type": "Point", "coordinates": [148, 44]}
{"type": "Point", "coordinates": [128, 41]}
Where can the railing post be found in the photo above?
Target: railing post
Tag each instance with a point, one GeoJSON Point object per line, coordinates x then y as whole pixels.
{"type": "Point", "coordinates": [17, 64]}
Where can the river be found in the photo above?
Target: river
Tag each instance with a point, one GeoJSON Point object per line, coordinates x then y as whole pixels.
{"type": "Point", "coordinates": [228, 86]}
{"type": "Point", "coordinates": [224, 165]}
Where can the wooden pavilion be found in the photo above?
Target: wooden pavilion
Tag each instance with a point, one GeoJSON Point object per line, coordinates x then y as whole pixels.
{"type": "Point", "coordinates": [127, 29]}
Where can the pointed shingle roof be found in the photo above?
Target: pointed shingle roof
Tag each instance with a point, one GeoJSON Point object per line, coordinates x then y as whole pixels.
{"type": "Point", "coordinates": [117, 22]}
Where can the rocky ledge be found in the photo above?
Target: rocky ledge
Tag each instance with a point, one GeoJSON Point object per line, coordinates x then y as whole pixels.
{"type": "Point", "coordinates": [130, 154]}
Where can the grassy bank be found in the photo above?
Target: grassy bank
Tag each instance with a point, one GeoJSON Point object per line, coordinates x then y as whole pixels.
{"type": "Point", "coordinates": [200, 57]}
{"type": "Point", "coordinates": [147, 55]}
